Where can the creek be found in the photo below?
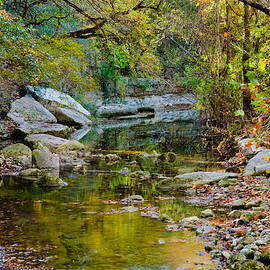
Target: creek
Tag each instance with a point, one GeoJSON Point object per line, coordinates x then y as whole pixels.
{"type": "Point", "coordinates": [86, 226]}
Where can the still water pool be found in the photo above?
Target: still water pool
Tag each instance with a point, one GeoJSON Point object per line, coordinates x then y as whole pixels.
{"type": "Point", "coordinates": [76, 228]}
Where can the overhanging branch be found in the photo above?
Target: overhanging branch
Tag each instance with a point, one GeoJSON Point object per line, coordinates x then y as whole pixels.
{"type": "Point", "coordinates": [262, 5]}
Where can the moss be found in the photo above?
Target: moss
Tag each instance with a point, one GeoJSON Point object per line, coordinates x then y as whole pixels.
{"type": "Point", "coordinates": [16, 150]}
{"type": "Point", "coordinates": [265, 257]}
{"type": "Point", "coordinates": [50, 180]}
{"type": "Point", "coordinates": [169, 157]}
{"type": "Point", "coordinates": [252, 265]}
{"type": "Point", "coordinates": [30, 172]}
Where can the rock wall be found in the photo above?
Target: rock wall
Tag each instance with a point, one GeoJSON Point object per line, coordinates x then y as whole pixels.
{"type": "Point", "coordinates": [135, 87]}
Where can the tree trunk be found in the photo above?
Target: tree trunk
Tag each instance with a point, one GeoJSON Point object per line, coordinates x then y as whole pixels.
{"type": "Point", "coordinates": [245, 60]}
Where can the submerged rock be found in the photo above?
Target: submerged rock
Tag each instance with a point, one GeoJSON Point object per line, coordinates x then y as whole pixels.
{"type": "Point", "coordinates": [19, 152]}
{"type": "Point", "coordinates": [133, 199]}
{"type": "Point", "coordinates": [112, 158]}
{"type": "Point", "coordinates": [50, 180]}
{"type": "Point", "coordinates": [142, 175]}
{"type": "Point", "coordinates": [188, 180]}
{"type": "Point", "coordinates": [169, 157]}
{"type": "Point", "coordinates": [205, 177]}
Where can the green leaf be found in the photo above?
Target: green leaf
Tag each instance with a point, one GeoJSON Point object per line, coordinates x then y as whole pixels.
{"type": "Point", "coordinates": [239, 113]}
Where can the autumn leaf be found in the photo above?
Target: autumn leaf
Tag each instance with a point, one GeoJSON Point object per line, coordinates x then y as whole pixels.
{"type": "Point", "coordinates": [249, 144]}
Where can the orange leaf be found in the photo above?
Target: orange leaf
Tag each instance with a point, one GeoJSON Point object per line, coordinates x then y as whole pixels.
{"type": "Point", "coordinates": [249, 144]}
{"type": "Point", "coordinates": [257, 126]}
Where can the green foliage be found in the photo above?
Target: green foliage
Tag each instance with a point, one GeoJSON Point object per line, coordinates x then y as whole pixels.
{"type": "Point", "coordinates": [17, 50]}
{"type": "Point", "coordinates": [27, 58]}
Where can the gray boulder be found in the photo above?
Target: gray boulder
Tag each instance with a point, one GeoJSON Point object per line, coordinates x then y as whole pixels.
{"type": "Point", "coordinates": [70, 116]}
{"type": "Point", "coordinates": [207, 213]}
{"type": "Point", "coordinates": [202, 178]}
{"type": "Point", "coordinates": [256, 162]}
{"type": "Point", "coordinates": [113, 110]}
{"type": "Point", "coordinates": [28, 109]}
{"type": "Point", "coordinates": [41, 127]}
{"type": "Point", "coordinates": [45, 160]}
{"type": "Point", "coordinates": [262, 169]}
{"type": "Point", "coordinates": [53, 99]}
{"type": "Point", "coordinates": [249, 151]}
{"type": "Point", "coordinates": [53, 143]}
{"type": "Point", "coordinates": [47, 140]}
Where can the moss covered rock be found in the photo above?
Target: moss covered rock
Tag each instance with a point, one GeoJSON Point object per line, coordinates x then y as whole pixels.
{"type": "Point", "coordinates": [253, 265]}
{"type": "Point", "coordinates": [50, 180]}
{"type": "Point", "coordinates": [33, 172]}
{"type": "Point", "coordinates": [265, 257]}
{"type": "Point", "coordinates": [17, 151]}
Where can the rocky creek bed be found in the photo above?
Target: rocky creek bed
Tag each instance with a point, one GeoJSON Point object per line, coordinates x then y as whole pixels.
{"type": "Point", "coordinates": [232, 207]}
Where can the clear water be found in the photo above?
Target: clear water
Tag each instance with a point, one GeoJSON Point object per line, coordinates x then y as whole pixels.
{"type": "Point", "coordinates": [75, 228]}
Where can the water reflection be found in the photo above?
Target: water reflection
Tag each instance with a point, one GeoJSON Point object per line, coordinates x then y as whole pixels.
{"type": "Point", "coordinates": [77, 230]}
{"type": "Point", "coordinates": [73, 228]}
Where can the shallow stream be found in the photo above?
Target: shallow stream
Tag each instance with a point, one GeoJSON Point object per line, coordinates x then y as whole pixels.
{"type": "Point", "coordinates": [85, 225]}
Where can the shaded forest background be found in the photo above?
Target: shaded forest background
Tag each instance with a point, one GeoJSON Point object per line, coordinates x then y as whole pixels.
{"type": "Point", "coordinates": [219, 50]}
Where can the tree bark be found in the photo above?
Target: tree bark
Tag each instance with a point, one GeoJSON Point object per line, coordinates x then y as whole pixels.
{"type": "Point", "coordinates": [245, 60]}
{"type": "Point", "coordinates": [262, 5]}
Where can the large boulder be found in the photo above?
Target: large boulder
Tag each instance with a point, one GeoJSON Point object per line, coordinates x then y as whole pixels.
{"type": "Point", "coordinates": [70, 116]}
{"type": "Point", "coordinates": [53, 143]}
{"type": "Point", "coordinates": [257, 161]}
{"type": "Point", "coordinates": [19, 152]}
{"type": "Point", "coordinates": [28, 109]}
{"type": "Point", "coordinates": [48, 128]}
{"type": "Point", "coordinates": [53, 99]}
{"type": "Point", "coordinates": [45, 160]}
